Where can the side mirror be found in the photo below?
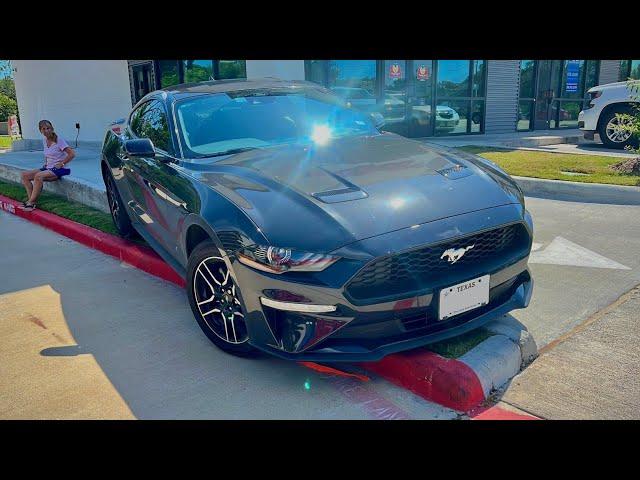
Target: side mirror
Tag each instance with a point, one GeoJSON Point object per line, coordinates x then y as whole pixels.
{"type": "Point", "coordinates": [139, 147]}
{"type": "Point", "coordinates": [378, 120]}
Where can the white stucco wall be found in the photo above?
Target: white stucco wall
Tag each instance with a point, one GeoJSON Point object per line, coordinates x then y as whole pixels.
{"type": "Point", "coordinates": [284, 69]}
{"type": "Point", "coordinates": [90, 92]}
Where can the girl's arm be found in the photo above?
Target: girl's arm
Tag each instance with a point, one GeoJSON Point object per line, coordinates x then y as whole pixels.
{"type": "Point", "coordinates": [70, 155]}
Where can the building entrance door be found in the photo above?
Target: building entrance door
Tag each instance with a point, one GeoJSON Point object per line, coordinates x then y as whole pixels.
{"type": "Point", "coordinates": [546, 92]}
{"type": "Point", "coordinates": [142, 80]}
{"type": "Point", "coordinates": [407, 97]}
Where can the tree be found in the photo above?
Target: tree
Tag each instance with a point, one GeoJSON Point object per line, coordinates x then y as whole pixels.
{"type": "Point", "coordinates": [8, 107]}
{"type": "Point", "coordinates": [7, 87]}
{"type": "Point", "coordinates": [631, 122]}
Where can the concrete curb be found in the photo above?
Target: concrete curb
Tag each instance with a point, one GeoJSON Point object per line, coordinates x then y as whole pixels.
{"type": "Point", "coordinates": [579, 192]}
{"type": "Point", "coordinates": [466, 382]}
{"type": "Point", "coordinates": [137, 255]}
{"type": "Point", "coordinates": [74, 189]}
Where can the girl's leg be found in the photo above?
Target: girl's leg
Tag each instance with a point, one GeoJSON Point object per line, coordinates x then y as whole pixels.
{"type": "Point", "coordinates": [27, 177]}
{"type": "Point", "coordinates": [38, 180]}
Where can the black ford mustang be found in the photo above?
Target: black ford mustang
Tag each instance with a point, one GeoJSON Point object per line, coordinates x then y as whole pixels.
{"type": "Point", "coordinates": [305, 231]}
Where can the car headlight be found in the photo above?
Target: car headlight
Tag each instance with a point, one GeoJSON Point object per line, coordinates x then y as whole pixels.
{"type": "Point", "coordinates": [279, 260]}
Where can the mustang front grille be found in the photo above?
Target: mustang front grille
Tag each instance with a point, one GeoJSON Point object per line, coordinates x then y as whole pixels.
{"type": "Point", "coordinates": [424, 267]}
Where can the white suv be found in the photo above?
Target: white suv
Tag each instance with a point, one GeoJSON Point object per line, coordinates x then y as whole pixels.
{"type": "Point", "coordinates": [600, 114]}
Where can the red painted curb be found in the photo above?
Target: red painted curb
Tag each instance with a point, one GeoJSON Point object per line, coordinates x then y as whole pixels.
{"type": "Point", "coordinates": [137, 255]}
{"type": "Point", "coordinates": [448, 382]}
{"type": "Point", "coordinates": [497, 413]}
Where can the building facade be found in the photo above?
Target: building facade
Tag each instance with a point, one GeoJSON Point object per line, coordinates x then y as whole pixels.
{"type": "Point", "coordinates": [418, 98]}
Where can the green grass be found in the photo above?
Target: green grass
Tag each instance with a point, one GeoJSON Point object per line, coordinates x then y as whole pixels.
{"type": "Point", "coordinates": [458, 346]}
{"type": "Point", "coordinates": [5, 141]}
{"type": "Point", "coordinates": [531, 163]}
{"type": "Point", "coordinates": [50, 202]}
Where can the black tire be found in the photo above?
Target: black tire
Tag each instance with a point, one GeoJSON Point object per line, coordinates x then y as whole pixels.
{"type": "Point", "coordinates": [228, 332]}
{"type": "Point", "coordinates": [604, 126]}
{"type": "Point", "coordinates": [119, 213]}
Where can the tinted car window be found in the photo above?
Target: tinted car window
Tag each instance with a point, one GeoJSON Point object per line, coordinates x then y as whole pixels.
{"type": "Point", "coordinates": [215, 123]}
{"type": "Point", "coordinates": [150, 121]}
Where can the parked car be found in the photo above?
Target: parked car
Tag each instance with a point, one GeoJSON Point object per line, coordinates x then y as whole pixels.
{"type": "Point", "coordinates": [304, 231]}
{"type": "Point", "coordinates": [393, 108]}
{"type": "Point", "coordinates": [600, 114]}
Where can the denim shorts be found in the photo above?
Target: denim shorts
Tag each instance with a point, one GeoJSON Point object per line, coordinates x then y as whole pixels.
{"type": "Point", "coordinates": [59, 172]}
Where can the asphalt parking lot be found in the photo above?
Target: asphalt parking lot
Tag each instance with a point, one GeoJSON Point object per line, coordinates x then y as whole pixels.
{"type": "Point", "coordinates": [85, 336]}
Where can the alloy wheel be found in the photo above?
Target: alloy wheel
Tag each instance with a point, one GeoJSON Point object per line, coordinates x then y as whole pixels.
{"type": "Point", "coordinates": [113, 201]}
{"type": "Point", "coordinates": [216, 296]}
{"type": "Point", "coordinates": [616, 131]}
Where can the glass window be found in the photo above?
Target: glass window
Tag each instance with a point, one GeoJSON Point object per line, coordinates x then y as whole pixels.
{"type": "Point", "coordinates": [525, 107]}
{"type": "Point", "coordinates": [477, 116]}
{"type": "Point", "coordinates": [149, 121]}
{"type": "Point", "coordinates": [315, 71]}
{"type": "Point", "coordinates": [452, 117]}
{"type": "Point", "coordinates": [216, 123]}
{"type": "Point", "coordinates": [527, 78]}
{"type": "Point", "coordinates": [197, 70]}
{"type": "Point", "coordinates": [231, 69]}
{"type": "Point", "coordinates": [568, 114]}
{"type": "Point", "coordinates": [453, 78]}
{"type": "Point", "coordinates": [591, 75]}
{"type": "Point", "coordinates": [353, 74]}
{"type": "Point", "coordinates": [635, 70]}
{"type": "Point", "coordinates": [477, 86]}
{"type": "Point", "coordinates": [169, 73]}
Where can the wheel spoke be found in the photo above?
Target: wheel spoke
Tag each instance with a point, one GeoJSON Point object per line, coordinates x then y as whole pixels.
{"type": "Point", "coordinates": [206, 280]}
{"type": "Point", "coordinates": [226, 332]}
{"type": "Point", "coordinates": [212, 276]}
{"type": "Point", "coordinates": [226, 277]}
{"type": "Point", "coordinates": [210, 299]}
{"type": "Point", "coordinates": [215, 310]}
{"type": "Point", "coordinates": [233, 327]}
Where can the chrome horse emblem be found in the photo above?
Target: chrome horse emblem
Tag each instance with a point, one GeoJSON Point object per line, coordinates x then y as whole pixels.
{"type": "Point", "coordinates": [455, 254]}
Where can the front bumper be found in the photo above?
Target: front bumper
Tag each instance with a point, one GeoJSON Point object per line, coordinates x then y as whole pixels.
{"type": "Point", "coordinates": [368, 331]}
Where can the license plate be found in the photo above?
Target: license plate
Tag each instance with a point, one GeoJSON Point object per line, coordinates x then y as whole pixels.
{"type": "Point", "coordinates": [463, 297]}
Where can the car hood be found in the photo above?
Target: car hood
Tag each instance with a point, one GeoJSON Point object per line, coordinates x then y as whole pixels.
{"type": "Point", "coordinates": [324, 197]}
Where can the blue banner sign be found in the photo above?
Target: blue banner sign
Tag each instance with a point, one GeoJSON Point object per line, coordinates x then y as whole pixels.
{"type": "Point", "coordinates": [573, 75]}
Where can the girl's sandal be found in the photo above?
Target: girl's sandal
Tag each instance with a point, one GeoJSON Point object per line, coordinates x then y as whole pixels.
{"type": "Point", "coordinates": [29, 207]}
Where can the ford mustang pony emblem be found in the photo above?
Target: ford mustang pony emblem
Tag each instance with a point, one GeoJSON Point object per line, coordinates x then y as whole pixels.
{"type": "Point", "coordinates": [456, 254]}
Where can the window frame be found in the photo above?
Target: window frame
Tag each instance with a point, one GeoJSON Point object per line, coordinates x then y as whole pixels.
{"type": "Point", "coordinates": [134, 134]}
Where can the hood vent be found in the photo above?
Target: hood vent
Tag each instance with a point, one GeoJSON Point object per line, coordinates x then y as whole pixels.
{"type": "Point", "coordinates": [455, 172]}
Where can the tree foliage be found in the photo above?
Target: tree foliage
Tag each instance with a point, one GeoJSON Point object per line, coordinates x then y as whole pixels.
{"type": "Point", "coordinates": [8, 88]}
{"type": "Point", "coordinates": [8, 107]}
{"type": "Point", "coordinates": [631, 122]}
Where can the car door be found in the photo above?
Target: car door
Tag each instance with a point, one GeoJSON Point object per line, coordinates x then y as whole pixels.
{"type": "Point", "coordinates": [147, 176]}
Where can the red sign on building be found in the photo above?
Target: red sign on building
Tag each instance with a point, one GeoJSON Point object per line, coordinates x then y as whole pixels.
{"type": "Point", "coordinates": [395, 71]}
{"type": "Point", "coordinates": [422, 73]}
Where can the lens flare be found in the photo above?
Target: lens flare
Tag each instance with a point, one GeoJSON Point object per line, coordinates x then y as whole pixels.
{"type": "Point", "coordinates": [321, 134]}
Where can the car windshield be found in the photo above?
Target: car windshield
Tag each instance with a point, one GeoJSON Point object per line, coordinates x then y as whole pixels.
{"type": "Point", "coordinates": [222, 123]}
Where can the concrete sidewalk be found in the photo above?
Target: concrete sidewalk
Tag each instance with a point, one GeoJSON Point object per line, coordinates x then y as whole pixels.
{"type": "Point", "coordinates": [85, 166]}
{"type": "Point", "coordinates": [555, 141]}
{"type": "Point", "coordinates": [590, 373]}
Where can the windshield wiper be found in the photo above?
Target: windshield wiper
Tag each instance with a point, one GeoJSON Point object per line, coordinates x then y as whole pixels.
{"type": "Point", "coordinates": [228, 152]}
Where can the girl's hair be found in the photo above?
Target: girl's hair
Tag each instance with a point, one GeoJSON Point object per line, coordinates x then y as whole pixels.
{"type": "Point", "coordinates": [41, 123]}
